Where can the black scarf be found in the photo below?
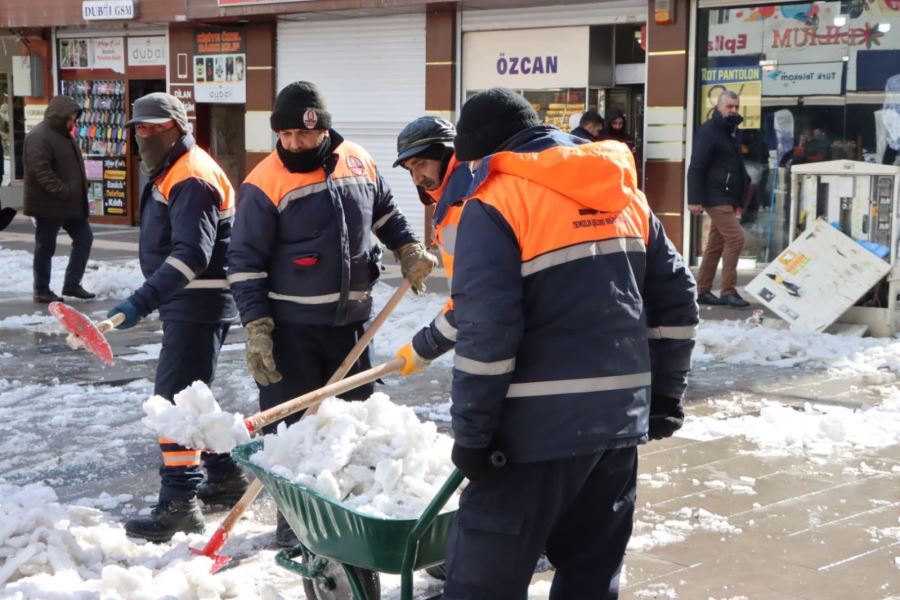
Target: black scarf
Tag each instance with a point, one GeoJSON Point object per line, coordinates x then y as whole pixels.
{"type": "Point", "coordinates": [306, 161]}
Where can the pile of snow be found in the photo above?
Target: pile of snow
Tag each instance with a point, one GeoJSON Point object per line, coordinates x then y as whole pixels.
{"type": "Point", "coordinates": [736, 342]}
{"type": "Point", "coordinates": [816, 430]}
{"type": "Point", "coordinates": [195, 420]}
{"type": "Point", "coordinates": [374, 456]}
{"type": "Point", "coordinates": [51, 551]}
{"type": "Point", "coordinates": [113, 280]}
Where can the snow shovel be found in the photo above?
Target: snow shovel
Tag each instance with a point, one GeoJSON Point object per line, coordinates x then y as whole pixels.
{"type": "Point", "coordinates": [83, 333]}
{"type": "Point", "coordinates": [255, 423]}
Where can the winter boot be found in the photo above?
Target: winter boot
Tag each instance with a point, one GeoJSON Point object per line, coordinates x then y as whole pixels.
{"type": "Point", "coordinates": [166, 519]}
{"type": "Point", "coordinates": [284, 535]}
{"type": "Point", "coordinates": [223, 492]}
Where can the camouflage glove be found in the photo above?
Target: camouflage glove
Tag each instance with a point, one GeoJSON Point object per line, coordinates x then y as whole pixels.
{"type": "Point", "coordinates": [416, 264]}
{"type": "Point", "coordinates": [260, 361]}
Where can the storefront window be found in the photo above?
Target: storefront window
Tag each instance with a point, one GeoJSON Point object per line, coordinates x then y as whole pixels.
{"type": "Point", "coordinates": [100, 132]}
{"type": "Point", "coordinates": [818, 81]}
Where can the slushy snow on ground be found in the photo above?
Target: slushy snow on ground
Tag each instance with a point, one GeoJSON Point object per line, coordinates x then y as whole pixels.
{"type": "Point", "coordinates": [374, 456]}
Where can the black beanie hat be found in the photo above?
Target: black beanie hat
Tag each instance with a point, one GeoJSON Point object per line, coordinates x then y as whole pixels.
{"type": "Point", "coordinates": [300, 106]}
{"type": "Point", "coordinates": [488, 119]}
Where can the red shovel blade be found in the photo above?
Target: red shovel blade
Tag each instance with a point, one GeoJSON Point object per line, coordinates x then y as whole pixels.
{"type": "Point", "coordinates": [215, 544]}
{"type": "Point", "coordinates": [82, 328]}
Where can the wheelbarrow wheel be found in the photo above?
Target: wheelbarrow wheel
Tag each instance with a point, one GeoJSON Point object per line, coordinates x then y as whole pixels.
{"type": "Point", "coordinates": [316, 589]}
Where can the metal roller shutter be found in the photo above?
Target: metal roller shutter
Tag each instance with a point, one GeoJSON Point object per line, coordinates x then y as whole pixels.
{"type": "Point", "coordinates": [372, 73]}
{"type": "Point", "coordinates": [556, 15]}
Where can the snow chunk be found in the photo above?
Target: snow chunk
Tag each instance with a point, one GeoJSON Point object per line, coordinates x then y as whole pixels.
{"type": "Point", "coordinates": [196, 420]}
{"type": "Point", "coordinates": [375, 457]}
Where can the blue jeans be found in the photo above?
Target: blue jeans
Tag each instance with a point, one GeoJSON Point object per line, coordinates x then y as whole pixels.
{"type": "Point", "coordinates": [45, 246]}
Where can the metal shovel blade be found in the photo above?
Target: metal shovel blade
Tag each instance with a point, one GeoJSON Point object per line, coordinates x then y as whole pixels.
{"type": "Point", "coordinates": [83, 329]}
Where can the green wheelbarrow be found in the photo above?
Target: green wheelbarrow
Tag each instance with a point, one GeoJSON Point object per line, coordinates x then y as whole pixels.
{"type": "Point", "coordinates": [341, 550]}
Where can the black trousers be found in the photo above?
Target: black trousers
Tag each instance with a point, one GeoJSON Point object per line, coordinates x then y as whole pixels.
{"type": "Point", "coordinates": [579, 510]}
{"type": "Point", "coordinates": [189, 353]}
{"type": "Point", "coordinates": [307, 356]}
{"type": "Point", "coordinates": [45, 247]}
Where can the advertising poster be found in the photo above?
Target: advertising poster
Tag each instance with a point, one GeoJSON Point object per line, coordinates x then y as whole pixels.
{"type": "Point", "coordinates": [744, 80]}
{"type": "Point", "coordinates": [108, 53]}
{"type": "Point", "coordinates": [220, 66]}
{"type": "Point", "coordinates": [817, 278]}
{"type": "Point", "coordinates": [75, 53]}
{"type": "Point", "coordinates": [114, 182]}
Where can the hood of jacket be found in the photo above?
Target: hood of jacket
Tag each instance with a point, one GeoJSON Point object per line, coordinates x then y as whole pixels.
{"type": "Point", "coordinates": [597, 175]}
{"type": "Point", "coordinates": [58, 112]}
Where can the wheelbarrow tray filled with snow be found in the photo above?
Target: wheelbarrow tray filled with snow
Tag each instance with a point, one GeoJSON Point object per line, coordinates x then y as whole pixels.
{"type": "Point", "coordinates": [327, 529]}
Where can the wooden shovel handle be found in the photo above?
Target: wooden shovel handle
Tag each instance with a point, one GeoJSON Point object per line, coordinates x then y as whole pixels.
{"type": "Point", "coordinates": [111, 323]}
{"type": "Point", "coordinates": [256, 422]}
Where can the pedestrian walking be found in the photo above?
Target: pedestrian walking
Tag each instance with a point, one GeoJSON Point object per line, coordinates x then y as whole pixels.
{"type": "Point", "coordinates": [56, 197]}
{"type": "Point", "coordinates": [187, 211]}
{"type": "Point", "coordinates": [717, 183]}
{"type": "Point", "coordinates": [575, 323]}
{"type": "Point", "coordinates": [302, 261]}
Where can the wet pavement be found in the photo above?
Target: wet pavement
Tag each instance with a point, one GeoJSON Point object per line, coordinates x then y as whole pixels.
{"type": "Point", "coordinates": [808, 528]}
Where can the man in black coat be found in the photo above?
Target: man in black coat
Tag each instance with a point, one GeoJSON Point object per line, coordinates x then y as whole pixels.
{"type": "Point", "coordinates": [717, 182]}
{"type": "Point", "coordinates": [56, 196]}
{"type": "Point", "coordinates": [589, 127]}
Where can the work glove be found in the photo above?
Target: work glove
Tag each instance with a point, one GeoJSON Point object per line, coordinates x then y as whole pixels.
{"type": "Point", "coordinates": [666, 416]}
{"type": "Point", "coordinates": [413, 363]}
{"type": "Point", "coordinates": [475, 463]}
{"type": "Point", "coordinates": [131, 312]}
{"type": "Point", "coordinates": [416, 264]}
{"type": "Point", "coordinates": [259, 357]}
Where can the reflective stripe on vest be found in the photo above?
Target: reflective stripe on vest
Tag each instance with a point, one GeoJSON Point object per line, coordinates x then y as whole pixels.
{"type": "Point", "coordinates": [444, 327]}
{"type": "Point", "coordinates": [578, 386]}
{"type": "Point", "coordinates": [674, 332]}
{"type": "Point", "coordinates": [238, 277]}
{"type": "Point", "coordinates": [477, 367]}
{"type": "Point", "coordinates": [579, 251]}
{"type": "Point", "coordinates": [323, 299]}
{"type": "Point", "coordinates": [207, 284]}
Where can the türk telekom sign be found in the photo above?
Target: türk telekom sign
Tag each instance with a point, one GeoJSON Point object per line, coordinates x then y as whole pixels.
{"type": "Point", "coordinates": [107, 10]}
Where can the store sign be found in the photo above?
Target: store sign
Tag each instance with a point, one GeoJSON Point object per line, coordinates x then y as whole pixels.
{"type": "Point", "coordinates": [34, 114]}
{"type": "Point", "coordinates": [816, 32]}
{"type": "Point", "coordinates": [220, 66]}
{"type": "Point", "coordinates": [147, 51]}
{"type": "Point", "coordinates": [108, 53]}
{"type": "Point", "coordinates": [529, 58]}
{"type": "Point", "coordinates": [185, 93]}
{"type": "Point", "coordinates": [806, 79]}
{"type": "Point", "coordinates": [252, 2]}
{"type": "Point", "coordinates": [743, 81]}
{"type": "Point", "coordinates": [106, 10]}
{"type": "Point", "coordinates": [114, 182]}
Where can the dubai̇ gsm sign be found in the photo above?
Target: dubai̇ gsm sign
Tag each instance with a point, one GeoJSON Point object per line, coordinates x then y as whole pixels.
{"type": "Point", "coordinates": [107, 10]}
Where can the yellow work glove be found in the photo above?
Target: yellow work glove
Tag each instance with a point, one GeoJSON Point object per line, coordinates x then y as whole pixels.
{"type": "Point", "coordinates": [260, 360]}
{"type": "Point", "coordinates": [416, 264]}
{"type": "Point", "coordinates": [413, 362]}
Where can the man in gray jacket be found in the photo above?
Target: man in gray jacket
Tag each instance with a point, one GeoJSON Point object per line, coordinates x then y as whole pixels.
{"type": "Point", "coordinates": [56, 196]}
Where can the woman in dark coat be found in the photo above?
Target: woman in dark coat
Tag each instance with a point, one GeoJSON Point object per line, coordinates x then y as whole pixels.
{"type": "Point", "coordinates": [617, 129]}
{"type": "Point", "coordinates": [56, 196]}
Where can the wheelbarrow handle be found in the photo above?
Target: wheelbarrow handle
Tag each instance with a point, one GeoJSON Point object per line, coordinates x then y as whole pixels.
{"type": "Point", "coordinates": [425, 521]}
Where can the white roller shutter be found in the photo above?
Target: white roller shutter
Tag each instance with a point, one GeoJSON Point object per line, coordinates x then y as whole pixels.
{"type": "Point", "coordinates": [555, 15]}
{"type": "Point", "coordinates": [372, 74]}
